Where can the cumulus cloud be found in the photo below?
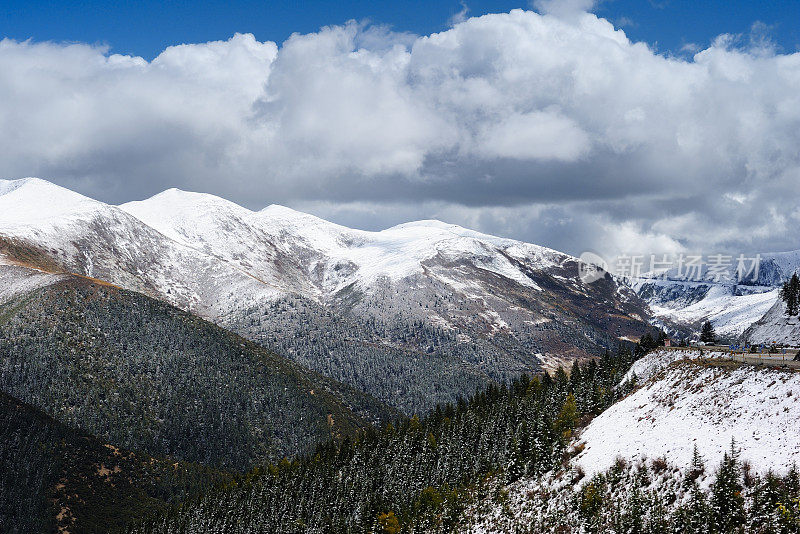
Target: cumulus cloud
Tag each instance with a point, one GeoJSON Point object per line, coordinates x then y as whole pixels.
{"type": "Point", "coordinates": [551, 127]}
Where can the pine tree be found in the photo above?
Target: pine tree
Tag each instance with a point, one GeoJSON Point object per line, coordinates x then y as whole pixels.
{"type": "Point", "coordinates": [763, 514]}
{"type": "Point", "coordinates": [696, 468]}
{"type": "Point", "coordinates": [791, 295]}
{"type": "Point", "coordinates": [647, 342]}
{"type": "Point", "coordinates": [707, 333]}
{"type": "Point", "coordinates": [694, 517]}
{"type": "Point", "coordinates": [727, 502]}
{"type": "Point", "coordinates": [568, 416]}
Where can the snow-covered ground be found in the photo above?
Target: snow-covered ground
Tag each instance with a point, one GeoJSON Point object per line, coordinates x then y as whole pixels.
{"type": "Point", "coordinates": [232, 266]}
{"type": "Point", "coordinates": [679, 406]}
{"type": "Point", "coordinates": [16, 280]}
{"type": "Point", "coordinates": [339, 254]}
{"type": "Point", "coordinates": [91, 238]}
{"type": "Point", "coordinates": [730, 308]}
{"type": "Point", "coordinates": [656, 361]}
{"type": "Point", "coordinates": [213, 257]}
{"type": "Point", "coordinates": [682, 405]}
{"type": "Point", "coordinates": [170, 238]}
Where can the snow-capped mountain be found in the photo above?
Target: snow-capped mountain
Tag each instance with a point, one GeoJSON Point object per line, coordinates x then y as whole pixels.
{"type": "Point", "coordinates": [683, 305]}
{"type": "Point", "coordinates": [53, 228]}
{"type": "Point", "coordinates": [415, 314]}
{"type": "Point", "coordinates": [300, 252]}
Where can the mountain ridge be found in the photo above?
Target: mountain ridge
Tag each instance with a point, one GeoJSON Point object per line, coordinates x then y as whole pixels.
{"type": "Point", "coordinates": [424, 295]}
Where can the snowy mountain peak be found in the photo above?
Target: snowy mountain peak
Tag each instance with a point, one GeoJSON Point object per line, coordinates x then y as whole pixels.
{"type": "Point", "coordinates": [32, 201]}
{"type": "Point", "coordinates": [7, 186]}
{"type": "Point", "coordinates": [283, 215]}
{"type": "Point", "coordinates": [175, 201]}
{"type": "Point", "coordinates": [487, 307]}
{"type": "Point", "coordinates": [430, 223]}
{"type": "Point", "coordinates": [36, 189]}
{"type": "Point", "coordinates": [278, 210]}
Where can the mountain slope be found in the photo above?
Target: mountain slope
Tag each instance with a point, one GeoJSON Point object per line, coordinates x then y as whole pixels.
{"type": "Point", "coordinates": [687, 305]}
{"type": "Point", "coordinates": [412, 300]}
{"type": "Point", "coordinates": [54, 229]}
{"type": "Point", "coordinates": [416, 477]}
{"type": "Point", "coordinates": [662, 459]}
{"type": "Point", "coordinates": [731, 306]}
{"type": "Point", "coordinates": [690, 403]}
{"type": "Point", "coordinates": [408, 303]}
{"type": "Point", "coordinates": [143, 375]}
{"type": "Point", "coordinates": [53, 477]}
{"type": "Point", "coordinates": [774, 327]}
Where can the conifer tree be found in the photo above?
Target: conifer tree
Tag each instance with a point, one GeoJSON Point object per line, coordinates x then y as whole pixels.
{"type": "Point", "coordinates": [727, 502]}
{"type": "Point", "coordinates": [568, 416]}
{"type": "Point", "coordinates": [696, 468]}
{"type": "Point", "coordinates": [694, 516]}
{"type": "Point", "coordinates": [763, 514]}
{"type": "Point", "coordinates": [707, 333]}
{"type": "Point", "coordinates": [791, 295]}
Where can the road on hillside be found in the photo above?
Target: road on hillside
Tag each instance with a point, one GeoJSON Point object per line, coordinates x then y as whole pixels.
{"type": "Point", "coordinates": [767, 359]}
{"type": "Point", "coordinates": [776, 359]}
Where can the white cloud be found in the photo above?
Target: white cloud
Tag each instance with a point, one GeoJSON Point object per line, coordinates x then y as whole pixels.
{"type": "Point", "coordinates": [564, 8]}
{"type": "Point", "coordinates": [534, 135]}
{"type": "Point", "coordinates": [553, 128]}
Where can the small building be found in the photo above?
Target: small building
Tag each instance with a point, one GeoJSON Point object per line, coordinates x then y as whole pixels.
{"type": "Point", "coordinates": [667, 342]}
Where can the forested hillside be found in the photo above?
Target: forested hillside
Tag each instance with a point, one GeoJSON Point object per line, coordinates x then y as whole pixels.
{"type": "Point", "coordinates": [143, 375]}
{"type": "Point", "coordinates": [417, 476]}
{"type": "Point", "coordinates": [53, 477]}
{"type": "Point", "coordinates": [384, 312]}
{"type": "Point", "coordinates": [386, 343]}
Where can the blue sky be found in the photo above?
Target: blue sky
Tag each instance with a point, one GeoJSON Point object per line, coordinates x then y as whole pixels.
{"type": "Point", "coordinates": [146, 27]}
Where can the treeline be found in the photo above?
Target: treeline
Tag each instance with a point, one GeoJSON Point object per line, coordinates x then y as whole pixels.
{"type": "Point", "coordinates": [419, 474]}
